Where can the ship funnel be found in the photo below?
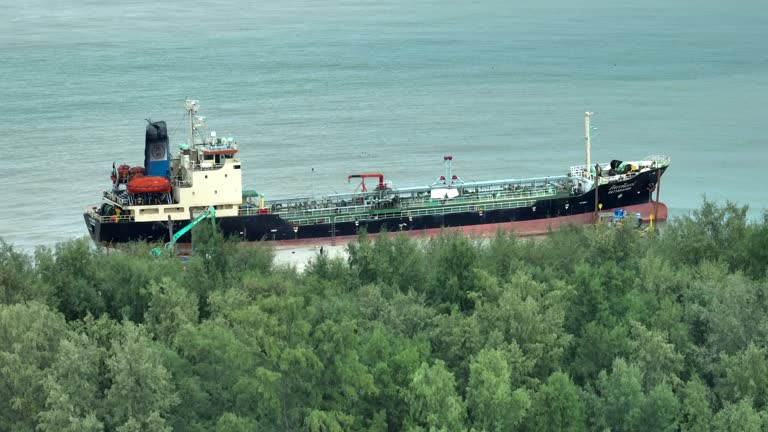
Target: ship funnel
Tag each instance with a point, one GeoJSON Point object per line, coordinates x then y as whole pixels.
{"type": "Point", "coordinates": [156, 150]}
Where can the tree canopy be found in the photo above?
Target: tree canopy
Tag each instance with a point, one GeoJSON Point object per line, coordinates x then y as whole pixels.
{"type": "Point", "coordinates": [590, 328]}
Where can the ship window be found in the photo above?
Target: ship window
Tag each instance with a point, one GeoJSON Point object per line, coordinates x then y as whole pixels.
{"type": "Point", "coordinates": [237, 166]}
{"type": "Point", "coordinates": [174, 210]}
{"type": "Point", "coordinates": [149, 211]}
{"type": "Point", "coordinates": [206, 176]}
{"type": "Point", "coordinates": [215, 192]}
{"type": "Point", "coordinates": [225, 176]}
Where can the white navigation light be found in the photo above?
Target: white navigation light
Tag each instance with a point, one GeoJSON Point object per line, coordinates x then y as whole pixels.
{"type": "Point", "coordinates": [213, 134]}
{"type": "Point", "coordinates": [192, 105]}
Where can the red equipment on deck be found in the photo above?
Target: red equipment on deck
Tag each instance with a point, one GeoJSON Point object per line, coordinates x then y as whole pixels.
{"type": "Point", "coordinates": [362, 178]}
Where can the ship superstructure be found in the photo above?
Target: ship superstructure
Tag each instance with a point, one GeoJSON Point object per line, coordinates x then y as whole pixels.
{"type": "Point", "coordinates": [204, 172]}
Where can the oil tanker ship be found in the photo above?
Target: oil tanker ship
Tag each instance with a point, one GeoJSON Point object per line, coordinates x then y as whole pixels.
{"type": "Point", "coordinates": [151, 202]}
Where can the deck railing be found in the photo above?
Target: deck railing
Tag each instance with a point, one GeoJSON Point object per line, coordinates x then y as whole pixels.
{"type": "Point", "coordinates": [661, 160]}
{"type": "Point", "coordinates": [521, 193]}
{"type": "Point", "coordinates": [424, 211]}
{"type": "Point", "coordinates": [418, 206]}
{"type": "Point", "coordinates": [109, 219]}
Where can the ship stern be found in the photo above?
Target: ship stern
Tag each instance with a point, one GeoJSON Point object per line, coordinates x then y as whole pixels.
{"type": "Point", "coordinates": [93, 225]}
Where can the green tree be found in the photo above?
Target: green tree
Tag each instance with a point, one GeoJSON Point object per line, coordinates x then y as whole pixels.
{"type": "Point", "coordinates": [396, 261]}
{"type": "Point", "coordinates": [230, 422]}
{"type": "Point", "coordinates": [453, 258]}
{"type": "Point", "coordinates": [744, 376]}
{"type": "Point", "coordinates": [211, 248]}
{"type": "Point", "coordinates": [334, 271]}
{"type": "Point", "coordinates": [216, 357]}
{"type": "Point", "coordinates": [363, 259]}
{"type": "Point", "coordinates": [556, 252]}
{"type": "Point", "coordinates": [660, 411]}
{"type": "Point", "coordinates": [557, 406]}
{"type": "Point", "coordinates": [755, 249]}
{"type": "Point", "coordinates": [623, 398]}
{"type": "Point", "coordinates": [406, 315]}
{"type": "Point", "coordinates": [591, 302]}
{"type": "Point", "coordinates": [121, 280]}
{"type": "Point", "coordinates": [493, 406]}
{"type": "Point", "coordinates": [18, 279]}
{"type": "Point", "coordinates": [503, 254]}
{"type": "Point", "coordinates": [141, 391]}
{"type": "Point", "coordinates": [657, 358]}
{"type": "Point", "coordinates": [71, 272]}
{"type": "Point", "coordinates": [736, 313]}
{"type": "Point", "coordinates": [209, 266]}
{"type": "Point", "coordinates": [738, 417]}
{"type": "Point", "coordinates": [455, 337]}
{"type": "Point", "coordinates": [327, 421]}
{"type": "Point", "coordinates": [171, 307]}
{"type": "Point", "coordinates": [597, 347]}
{"type": "Point", "coordinates": [346, 380]}
{"type": "Point", "coordinates": [531, 314]}
{"type": "Point", "coordinates": [391, 360]}
{"type": "Point", "coordinates": [696, 411]}
{"type": "Point", "coordinates": [74, 387]}
{"type": "Point", "coordinates": [433, 402]}
{"type": "Point", "coordinates": [30, 334]}
{"type": "Point", "coordinates": [273, 335]}
{"type": "Point", "coordinates": [252, 258]}
{"type": "Point", "coordinates": [710, 233]}
{"type": "Point", "coordinates": [193, 413]}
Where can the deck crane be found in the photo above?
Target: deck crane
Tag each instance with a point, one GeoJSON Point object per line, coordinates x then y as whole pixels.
{"type": "Point", "coordinates": [362, 178]}
{"type": "Point", "coordinates": [209, 212]}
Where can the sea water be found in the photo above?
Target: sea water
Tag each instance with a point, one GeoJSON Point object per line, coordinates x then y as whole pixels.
{"type": "Point", "coordinates": [316, 90]}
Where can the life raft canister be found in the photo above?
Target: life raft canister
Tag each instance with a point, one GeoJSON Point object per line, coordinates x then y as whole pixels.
{"type": "Point", "coordinates": [122, 174]}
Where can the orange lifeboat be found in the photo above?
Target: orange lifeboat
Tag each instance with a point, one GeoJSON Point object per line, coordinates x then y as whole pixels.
{"type": "Point", "coordinates": [149, 184]}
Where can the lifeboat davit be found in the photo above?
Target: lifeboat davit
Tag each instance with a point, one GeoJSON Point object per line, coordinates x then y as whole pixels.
{"type": "Point", "coordinates": [149, 184]}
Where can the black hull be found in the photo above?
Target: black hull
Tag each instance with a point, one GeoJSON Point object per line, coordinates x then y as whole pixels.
{"type": "Point", "coordinates": [271, 227]}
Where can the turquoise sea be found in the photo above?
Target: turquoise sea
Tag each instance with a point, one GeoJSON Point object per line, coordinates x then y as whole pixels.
{"type": "Point", "coordinates": [347, 86]}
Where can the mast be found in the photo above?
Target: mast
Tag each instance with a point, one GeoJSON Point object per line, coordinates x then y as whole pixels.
{"type": "Point", "coordinates": [587, 116]}
{"type": "Point", "coordinates": [191, 106]}
{"type": "Point", "coordinates": [447, 161]}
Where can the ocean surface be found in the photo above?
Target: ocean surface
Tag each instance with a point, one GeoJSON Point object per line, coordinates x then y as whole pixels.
{"type": "Point", "coordinates": [350, 86]}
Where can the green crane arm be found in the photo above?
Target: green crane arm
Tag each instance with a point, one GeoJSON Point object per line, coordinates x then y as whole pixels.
{"type": "Point", "coordinates": [210, 211]}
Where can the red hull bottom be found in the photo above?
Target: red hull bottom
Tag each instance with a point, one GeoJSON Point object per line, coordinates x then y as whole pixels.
{"type": "Point", "coordinates": [522, 228]}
